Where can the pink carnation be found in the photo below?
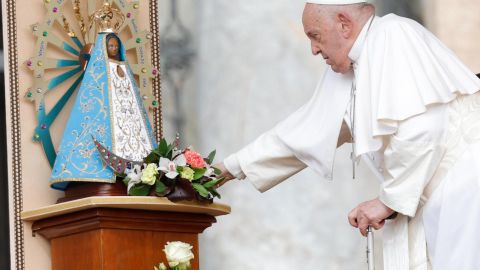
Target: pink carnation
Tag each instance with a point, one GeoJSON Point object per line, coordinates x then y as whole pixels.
{"type": "Point", "coordinates": [194, 159]}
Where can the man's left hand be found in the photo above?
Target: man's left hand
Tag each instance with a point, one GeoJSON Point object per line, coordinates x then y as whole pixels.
{"type": "Point", "coordinates": [368, 213]}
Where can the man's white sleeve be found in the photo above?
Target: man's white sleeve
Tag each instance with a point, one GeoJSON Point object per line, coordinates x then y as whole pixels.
{"type": "Point", "coordinates": [265, 162]}
{"type": "Point", "coordinates": [412, 157]}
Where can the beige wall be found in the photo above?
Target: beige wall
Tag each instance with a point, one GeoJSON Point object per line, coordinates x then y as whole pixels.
{"type": "Point", "coordinates": [457, 23]}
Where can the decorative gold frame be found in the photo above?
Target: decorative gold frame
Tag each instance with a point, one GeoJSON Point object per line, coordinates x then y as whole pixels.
{"type": "Point", "coordinates": [16, 162]}
{"type": "Point", "coordinates": [15, 181]}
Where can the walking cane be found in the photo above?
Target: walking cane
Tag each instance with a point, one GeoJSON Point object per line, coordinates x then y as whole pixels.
{"type": "Point", "coordinates": [370, 258]}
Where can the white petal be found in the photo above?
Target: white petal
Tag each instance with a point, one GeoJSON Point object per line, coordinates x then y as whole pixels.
{"type": "Point", "coordinates": [180, 160]}
{"type": "Point", "coordinates": [163, 162]}
{"type": "Point", "coordinates": [172, 167]}
{"type": "Point", "coordinates": [208, 172]}
{"type": "Point", "coordinates": [133, 181]}
{"type": "Point", "coordinates": [137, 167]}
{"type": "Point", "coordinates": [171, 175]}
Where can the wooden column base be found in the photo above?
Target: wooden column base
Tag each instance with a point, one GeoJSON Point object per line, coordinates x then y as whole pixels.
{"type": "Point", "coordinates": [130, 235]}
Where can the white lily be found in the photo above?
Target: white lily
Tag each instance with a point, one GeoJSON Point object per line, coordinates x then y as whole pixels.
{"type": "Point", "coordinates": [209, 172]}
{"type": "Point", "coordinates": [169, 167]}
{"type": "Point", "coordinates": [135, 176]}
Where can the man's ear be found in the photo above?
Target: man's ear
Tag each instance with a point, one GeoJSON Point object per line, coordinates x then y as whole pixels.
{"type": "Point", "coordinates": [346, 25]}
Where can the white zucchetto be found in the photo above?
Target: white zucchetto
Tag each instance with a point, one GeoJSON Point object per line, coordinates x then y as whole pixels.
{"type": "Point", "coordinates": [335, 2]}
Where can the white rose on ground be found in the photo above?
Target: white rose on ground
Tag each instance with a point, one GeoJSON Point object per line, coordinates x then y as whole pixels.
{"type": "Point", "coordinates": [161, 266]}
{"type": "Point", "coordinates": [178, 254]}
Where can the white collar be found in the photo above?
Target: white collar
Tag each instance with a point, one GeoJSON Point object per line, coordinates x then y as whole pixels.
{"type": "Point", "coordinates": [357, 47]}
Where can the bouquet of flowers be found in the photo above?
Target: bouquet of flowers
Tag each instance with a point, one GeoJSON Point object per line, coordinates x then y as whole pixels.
{"type": "Point", "coordinates": [178, 174]}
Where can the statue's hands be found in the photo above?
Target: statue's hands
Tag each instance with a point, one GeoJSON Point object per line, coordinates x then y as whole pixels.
{"type": "Point", "coordinates": [226, 175]}
{"type": "Point", "coordinates": [368, 213]}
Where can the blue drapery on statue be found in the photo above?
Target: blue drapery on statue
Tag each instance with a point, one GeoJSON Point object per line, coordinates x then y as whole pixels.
{"type": "Point", "coordinates": [98, 111]}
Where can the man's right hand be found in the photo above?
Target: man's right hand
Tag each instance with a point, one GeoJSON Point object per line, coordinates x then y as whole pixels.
{"type": "Point", "coordinates": [226, 175]}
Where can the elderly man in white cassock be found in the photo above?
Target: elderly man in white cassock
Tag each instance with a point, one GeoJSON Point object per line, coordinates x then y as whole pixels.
{"type": "Point", "coordinates": [410, 109]}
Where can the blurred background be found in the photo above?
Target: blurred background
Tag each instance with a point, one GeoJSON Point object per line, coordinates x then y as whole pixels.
{"type": "Point", "coordinates": [233, 69]}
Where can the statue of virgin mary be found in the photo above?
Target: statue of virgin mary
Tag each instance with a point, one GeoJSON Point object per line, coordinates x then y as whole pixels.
{"type": "Point", "coordinates": [109, 109]}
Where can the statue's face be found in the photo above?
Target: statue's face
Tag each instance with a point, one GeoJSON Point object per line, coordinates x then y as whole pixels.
{"type": "Point", "coordinates": [112, 48]}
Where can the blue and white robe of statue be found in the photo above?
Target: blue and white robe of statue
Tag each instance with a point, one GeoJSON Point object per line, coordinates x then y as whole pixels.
{"type": "Point", "coordinates": [109, 108]}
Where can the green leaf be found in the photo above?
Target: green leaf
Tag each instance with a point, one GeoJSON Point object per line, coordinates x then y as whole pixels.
{"type": "Point", "coordinates": [169, 153]}
{"type": "Point", "coordinates": [198, 173]}
{"type": "Point", "coordinates": [201, 190]}
{"type": "Point", "coordinates": [160, 188]}
{"type": "Point", "coordinates": [156, 151]}
{"type": "Point", "coordinates": [163, 147]}
{"type": "Point", "coordinates": [139, 190]}
{"type": "Point", "coordinates": [217, 171]}
{"type": "Point", "coordinates": [215, 193]}
{"type": "Point", "coordinates": [152, 158]}
{"type": "Point", "coordinates": [126, 180]}
{"type": "Point", "coordinates": [212, 183]}
{"type": "Point", "coordinates": [211, 157]}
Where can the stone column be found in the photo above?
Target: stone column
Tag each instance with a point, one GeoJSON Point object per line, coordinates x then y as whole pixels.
{"type": "Point", "coordinates": [456, 23]}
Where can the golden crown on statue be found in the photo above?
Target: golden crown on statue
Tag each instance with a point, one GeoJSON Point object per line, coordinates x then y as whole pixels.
{"type": "Point", "coordinates": [107, 19]}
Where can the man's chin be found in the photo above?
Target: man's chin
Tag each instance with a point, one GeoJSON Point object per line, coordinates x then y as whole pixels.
{"type": "Point", "coordinates": [337, 69]}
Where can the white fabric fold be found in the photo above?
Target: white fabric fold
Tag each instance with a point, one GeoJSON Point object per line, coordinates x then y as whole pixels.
{"type": "Point", "coordinates": [402, 70]}
{"type": "Point", "coordinates": [452, 214]}
{"type": "Point", "coordinates": [266, 162]}
{"type": "Point", "coordinates": [431, 172]}
{"type": "Point", "coordinates": [312, 131]}
{"type": "Point", "coordinates": [411, 159]}
{"type": "Point", "coordinates": [409, 167]}
{"type": "Point", "coordinates": [395, 244]}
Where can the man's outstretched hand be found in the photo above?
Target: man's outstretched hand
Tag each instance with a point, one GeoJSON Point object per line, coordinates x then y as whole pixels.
{"type": "Point", "coordinates": [372, 213]}
{"type": "Point", "coordinates": [226, 175]}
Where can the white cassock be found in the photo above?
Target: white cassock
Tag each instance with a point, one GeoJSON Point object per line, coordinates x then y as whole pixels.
{"type": "Point", "coordinates": [417, 125]}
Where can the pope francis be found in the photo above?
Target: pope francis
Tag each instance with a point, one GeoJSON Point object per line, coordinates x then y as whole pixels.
{"type": "Point", "coordinates": [410, 109]}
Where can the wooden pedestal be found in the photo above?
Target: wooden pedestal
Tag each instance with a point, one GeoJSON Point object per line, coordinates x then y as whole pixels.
{"type": "Point", "coordinates": [120, 233]}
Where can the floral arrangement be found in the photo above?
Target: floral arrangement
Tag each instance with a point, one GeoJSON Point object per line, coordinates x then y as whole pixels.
{"type": "Point", "coordinates": [178, 174]}
{"type": "Point", "coordinates": [175, 173]}
{"type": "Point", "coordinates": [178, 255]}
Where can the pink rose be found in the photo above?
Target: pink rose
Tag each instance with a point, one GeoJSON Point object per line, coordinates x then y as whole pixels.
{"type": "Point", "coordinates": [194, 159]}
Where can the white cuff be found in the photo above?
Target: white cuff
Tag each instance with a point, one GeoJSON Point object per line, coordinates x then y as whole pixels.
{"type": "Point", "coordinates": [233, 167]}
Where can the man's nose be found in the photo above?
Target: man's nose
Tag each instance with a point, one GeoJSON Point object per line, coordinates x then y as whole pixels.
{"type": "Point", "coordinates": [315, 50]}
